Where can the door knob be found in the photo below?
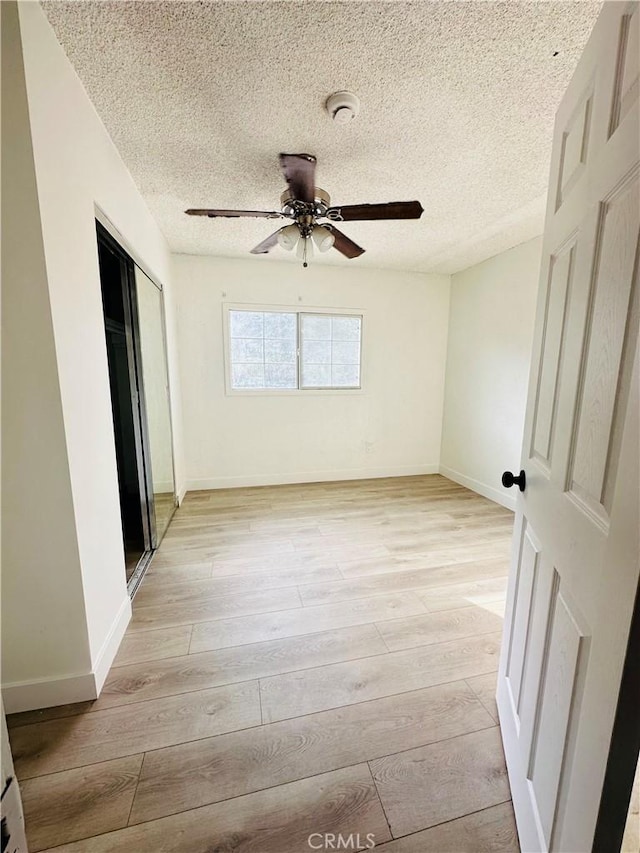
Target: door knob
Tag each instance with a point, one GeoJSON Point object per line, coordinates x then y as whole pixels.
{"type": "Point", "coordinates": [508, 480]}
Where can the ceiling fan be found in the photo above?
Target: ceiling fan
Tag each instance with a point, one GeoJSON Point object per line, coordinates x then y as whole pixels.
{"type": "Point", "coordinates": [304, 204]}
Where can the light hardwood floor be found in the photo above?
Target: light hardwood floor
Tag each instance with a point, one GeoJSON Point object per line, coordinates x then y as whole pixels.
{"type": "Point", "coordinates": [302, 660]}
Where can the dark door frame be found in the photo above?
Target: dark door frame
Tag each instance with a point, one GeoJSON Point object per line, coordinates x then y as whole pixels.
{"type": "Point", "coordinates": [134, 359]}
{"type": "Point", "coordinates": [133, 340]}
{"type": "Point", "coordinates": [624, 749]}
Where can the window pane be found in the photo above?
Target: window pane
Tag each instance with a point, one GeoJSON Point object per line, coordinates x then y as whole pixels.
{"type": "Point", "coordinates": [330, 348]}
{"type": "Point", "coordinates": [345, 375]}
{"type": "Point", "coordinates": [316, 375]}
{"type": "Point", "coordinates": [246, 350]}
{"type": "Point", "coordinates": [281, 326]}
{"type": "Point", "coordinates": [276, 351]}
{"type": "Point", "coordinates": [280, 376]}
{"type": "Point", "coordinates": [246, 324]}
{"type": "Point", "coordinates": [263, 349]}
{"type": "Point", "coordinates": [247, 376]}
{"type": "Point", "coordinates": [346, 328]}
{"type": "Point", "coordinates": [317, 352]}
{"type": "Point", "coordinates": [316, 327]}
{"type": "Point", "coordinates": [345, 352]}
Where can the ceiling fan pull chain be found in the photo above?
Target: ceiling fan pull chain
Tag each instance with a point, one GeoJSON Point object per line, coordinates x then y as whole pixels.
{"type": "Point", "coordinates": [305, 251]}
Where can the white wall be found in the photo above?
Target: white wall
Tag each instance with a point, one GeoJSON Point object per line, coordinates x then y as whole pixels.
{"type": "Point", "coordinates": [488, 357]}
{"type": "Point", "coordinates": [77, 168]}
{"type": "Point", "coordinates": [44, 631]}
{"type": "Point", "coordinates": [392, 428]}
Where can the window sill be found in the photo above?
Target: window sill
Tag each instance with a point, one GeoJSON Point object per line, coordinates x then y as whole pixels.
{"type": "Point", "coordinates": [294, 392]}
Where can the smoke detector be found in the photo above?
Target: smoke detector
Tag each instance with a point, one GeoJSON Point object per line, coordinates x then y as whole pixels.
{"type": "Point", "coordinates": [343, 107]}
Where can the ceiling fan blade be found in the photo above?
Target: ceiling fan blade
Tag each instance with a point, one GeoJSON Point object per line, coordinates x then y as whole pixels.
{"type": "Point", "coordinates": [266, 245]}
{"type": "Point", "coordinates": [345, 245]}
{"type": "Point", "coordinates": [390, 210]}
{"type": "Point", "coordinates": [299, 171]}
{"type": "Point", "coordinates": [233, 214]}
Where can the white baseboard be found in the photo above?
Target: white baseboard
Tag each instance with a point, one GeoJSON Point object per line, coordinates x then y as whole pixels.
{"type": "Point", "coordinates": [496, 495]}
{"type": "Point", "coordinates": [310, 477]}
{"type": "Point", "coordinates": [47, 692]}
{"type": "Point", "coordinates": [109, 650]}
{"type": "Point", "coordinates": [82, 687]}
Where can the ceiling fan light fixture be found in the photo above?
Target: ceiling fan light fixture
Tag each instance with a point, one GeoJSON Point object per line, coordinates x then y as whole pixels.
{"type": "Point", "coordinates": [288, 237]}
{"type": "Point", "coordinates": [323, 238]}
{"type": "Point", "coordinates": [304, 251]}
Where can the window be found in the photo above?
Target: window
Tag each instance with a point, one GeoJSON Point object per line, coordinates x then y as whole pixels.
{"type": "Point", "coordinates": [288, 350]}
{"type": "Point", "coordinates": [264, 349]}
{"type": "Point", "coordinates": [330, 351]}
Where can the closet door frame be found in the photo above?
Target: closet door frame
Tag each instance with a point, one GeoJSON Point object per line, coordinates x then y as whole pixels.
{"type": "Point", "coordinates": [138, 405]}
{"type": "Point", "coordinates": [138, 338]}
{"type": "Point", "coordinates": [143, 445]}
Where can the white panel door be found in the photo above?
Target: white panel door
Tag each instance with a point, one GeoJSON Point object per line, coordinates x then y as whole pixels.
{"type": "Point", "coordinates": [575, 562]}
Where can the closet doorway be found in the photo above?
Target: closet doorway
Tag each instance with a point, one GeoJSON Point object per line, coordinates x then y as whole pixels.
{"type": "Point", "coordinates": [138, 377]}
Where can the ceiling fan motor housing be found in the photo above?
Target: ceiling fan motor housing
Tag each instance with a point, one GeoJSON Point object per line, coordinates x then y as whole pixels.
{"type": "Point", "coordinates": [293, 207]}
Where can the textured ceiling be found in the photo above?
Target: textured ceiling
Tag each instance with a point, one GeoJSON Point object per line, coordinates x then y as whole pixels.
{"type": "Point", "coordinates": [458, 100]}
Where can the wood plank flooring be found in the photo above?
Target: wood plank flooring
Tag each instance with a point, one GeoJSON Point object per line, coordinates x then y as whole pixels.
{"type": "Point", "coordinates": [303, 661]}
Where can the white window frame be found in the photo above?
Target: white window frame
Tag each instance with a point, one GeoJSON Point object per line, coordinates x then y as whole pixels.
{"type": "Point", "coordinates": [298, 310]}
